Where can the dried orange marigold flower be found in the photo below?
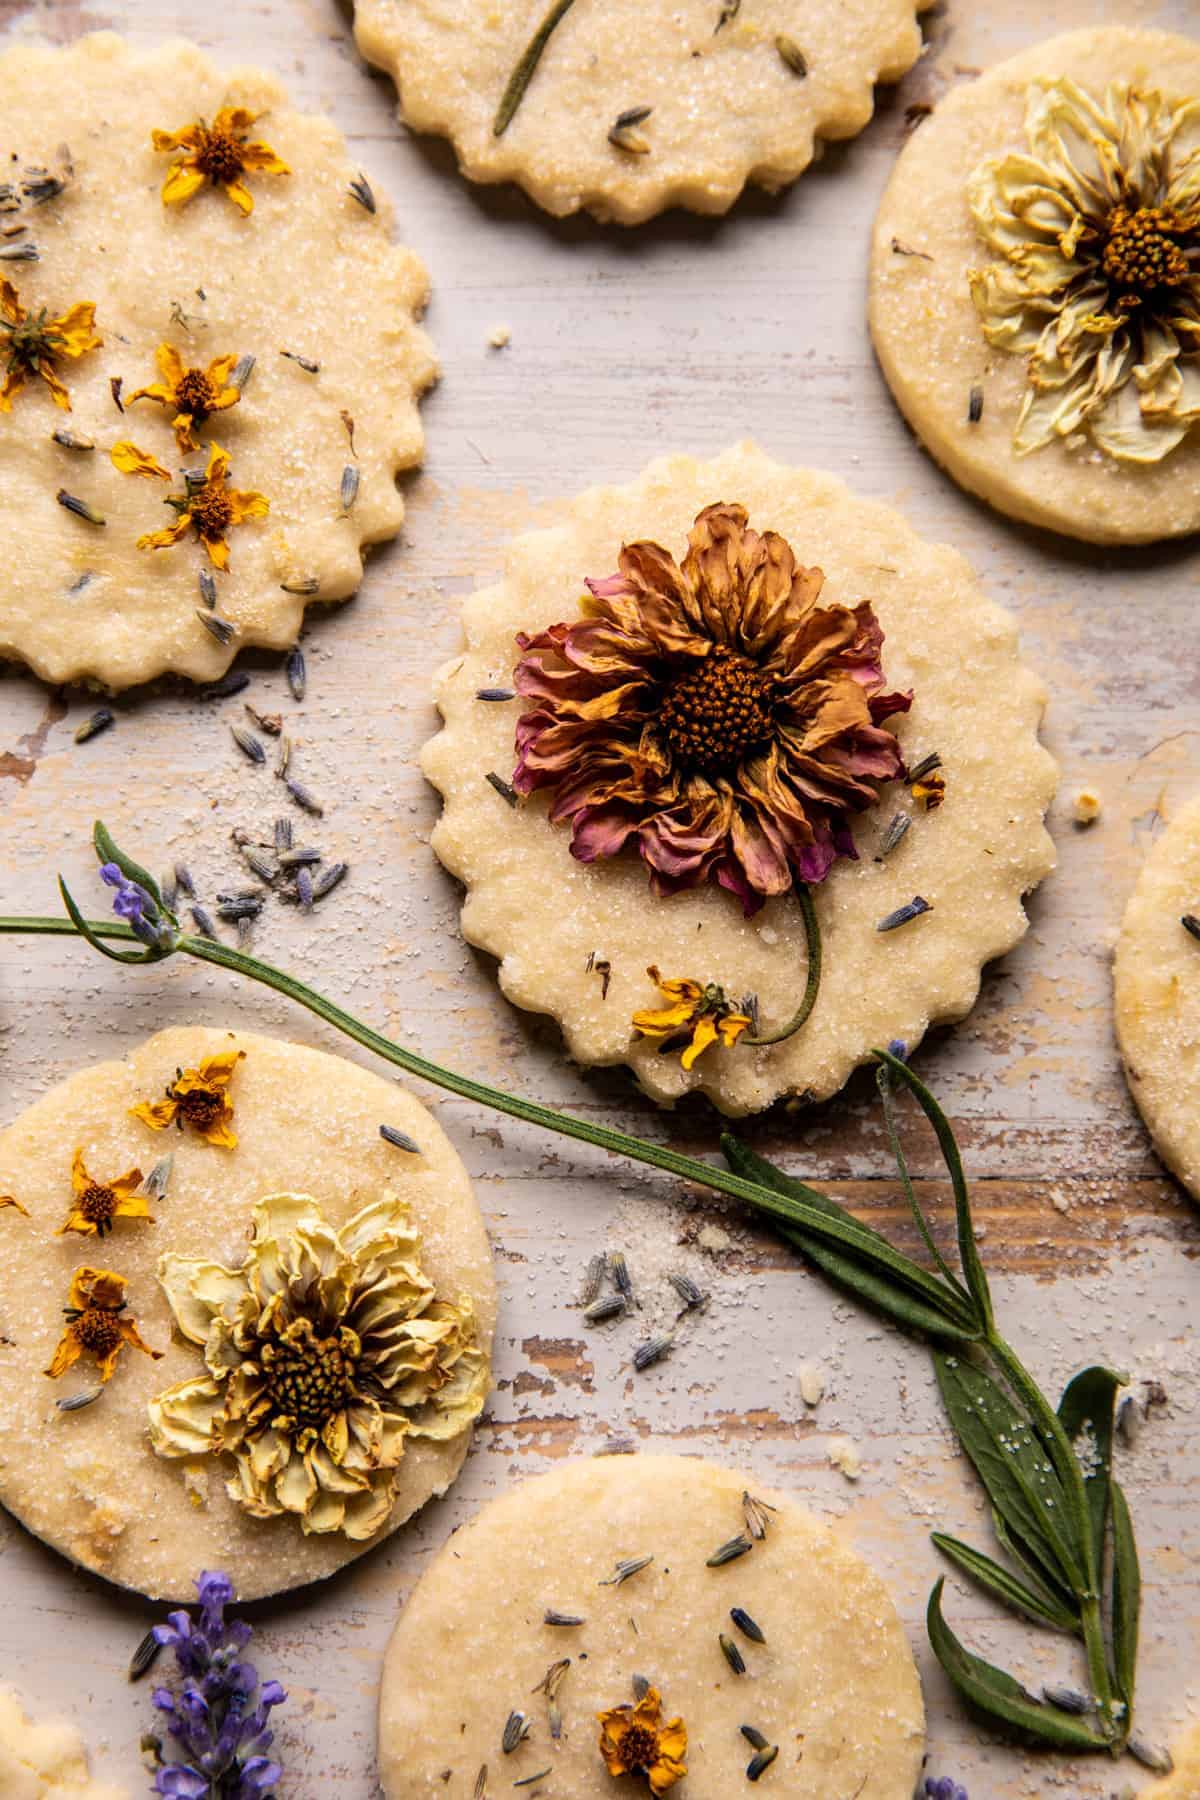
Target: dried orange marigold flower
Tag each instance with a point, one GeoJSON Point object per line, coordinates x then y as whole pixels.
{"type": "Point", "coordinates": [96, 1323]}
{"type": "Point", "coordinates": [219, 153]}
{"type": "Point", "coordinates": [32, 343]}
{"type": "Point", "coordinates": [635, 1740]}
{"type": "Point", "coordinates": [199, 1099]}
{"type": "Point", "coordinates": [97, 1204]}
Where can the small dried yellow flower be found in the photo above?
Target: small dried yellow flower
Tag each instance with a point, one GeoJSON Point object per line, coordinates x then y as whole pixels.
{"type": "Point", "coordinates": [634, 1740]}
{"type": "Point", "coordinates": [198, 1098]}
{"type": "Point", "coordinates": [98, 1203]}
{"type": "Point", "coordinates": [31, 344]}
{"type": "Point", "coordinates": [324, 1352]}
{"type": "Point", "coordinates": [96, 1323]}
{"type": "Point", "coordinates": [220, 153]}
{"type": "Point", "coordinates": [11, 1200]}
{"type": "Point", "coordinates": [195, 393]}
{"type": "Point", "coordinates": [210, 507]}
{"type": "Point", "coordinates": [930, 789]}
{"type": "Point", "coordinates": [697, 1017]}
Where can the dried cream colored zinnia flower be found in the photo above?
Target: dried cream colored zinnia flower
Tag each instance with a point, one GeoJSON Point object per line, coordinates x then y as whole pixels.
{"type": "Point", "coordinates": [1098, 229]}
{"type": "Point", "coordinates": [325, 1351]}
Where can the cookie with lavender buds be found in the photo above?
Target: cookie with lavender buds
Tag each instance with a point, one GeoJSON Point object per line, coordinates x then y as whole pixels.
{"type": "Point", "coordinates": [629, 108]}
{"type": "Point", "coordinates": [245, 1328]}
{"type": "Point", "coordinates": [199, 436]}
{"type": "Point", "coordinates": [1157, 995]}
{"type": "Point", "coordinates": [654, 1616]}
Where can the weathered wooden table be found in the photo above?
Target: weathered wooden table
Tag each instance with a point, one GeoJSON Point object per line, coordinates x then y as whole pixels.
{"type": "Point", "coordinates": [684, 334]}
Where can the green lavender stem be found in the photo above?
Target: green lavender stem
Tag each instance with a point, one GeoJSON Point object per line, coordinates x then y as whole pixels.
{"type": "Point", "coordinates": [812, 984]}
{"type": "Point", "coordinates": [524, 72]}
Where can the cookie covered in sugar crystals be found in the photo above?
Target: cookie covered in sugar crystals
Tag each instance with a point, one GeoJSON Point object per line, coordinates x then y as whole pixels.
{"type": "Point", "coordinates": [784, 727]}
{"type": "Point", "coordinates": [44, 1759]}
{"type": "Point", "coordinates": [607, 1605]}
{"type": "Point", "coordinates": [1035, 284]}
{"type": "Point", "coordinates": [1157, 995]}
{"type": "Point", "coordinates": [638, 105]}
{"type": "Point", "coordinates": [209, 363]}
{"type": "Point", "coordinates": [241, 1330]}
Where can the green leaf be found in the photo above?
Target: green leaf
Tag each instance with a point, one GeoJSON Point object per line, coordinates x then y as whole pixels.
{"type": "Point", "coordinates": [1126, 1597]}
{"type": "Point", "coordinates": [968, 1250]}
{"type": "Point", "coordinates": [84, 929]}
{"type": "Point", "coordinates": [107, 851]}
{"type": "Point", "coordinates": [883, 1083]}
{"type": "Point", "coordinates": [995, 1693]}
{"type": "Point", "coordinates": [1087, 1411]}
{"type": "Point", "coordinates": [1037, 1576]}
{"type": "Point", "coordinates": [879, 1292]}
{"type": "Point", "coordinates": [1004, 1586]}
{"type": "Point", "coordinates": [1012, 1463]}
{"type": "Point", "coordinates": [891, 1271]}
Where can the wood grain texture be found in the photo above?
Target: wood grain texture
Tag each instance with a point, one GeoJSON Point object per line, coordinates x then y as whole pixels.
{"type": "Point", "coordinates": [684, 334]}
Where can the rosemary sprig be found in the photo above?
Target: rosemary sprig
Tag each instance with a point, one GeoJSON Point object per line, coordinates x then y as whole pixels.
{"type": "Point", "coordinates": [526, 68]}
{"type": "Point", "coordinates": [1056, 1509]}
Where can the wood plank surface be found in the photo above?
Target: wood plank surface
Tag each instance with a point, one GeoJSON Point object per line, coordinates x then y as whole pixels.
{"type": "Point", "coordinates": [682, 335]}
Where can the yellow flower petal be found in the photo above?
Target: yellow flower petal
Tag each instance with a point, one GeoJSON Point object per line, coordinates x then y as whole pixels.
{"type": "Point", "coordinates": [11, 1200]}
{"type": "Point", "coordinates": [218, 552]}
{"type": "Point", "coordinates": [661, 1022]}
{"type": "Point", "coordinates": [159, 540]}
{"type": "Point", "coordinates": [68, 1353]}
{"type": "Point", "coordinates": [263, 158]}
{"type": "Point", "coordinates": [158, 1114]}
{"type": "Point", "coordinates": [235, 121]}
{"type": "Point", "coordinates": [14, 381]}
{"type": "Point", "coordinates": [246, 504]}
{"type": "Point", "coordinates": [171, 365]}
{"type": "Point", "coordinates": [157, 390]}
{"type": "Point", "coordinates": [10, 304]}
{"type": "Point", "coordinates": [220, 369]}
{"type": "Point", "coordinates": [704, 1035]}
{"type": "Point", "coordinates": [187, 139]}
{"type": "Point", "coordinates": [181, 183]}
{"type": "Point", "coordinates": [241, 196]}
{"type": "Point", "coordinates": [219, 1069]}
{"type": "Point", "coordinates": [127, 457]}
{"type": "Point", "coordinates": [218, 465]}
{"type": "Point", "coordinates": [76, 328]}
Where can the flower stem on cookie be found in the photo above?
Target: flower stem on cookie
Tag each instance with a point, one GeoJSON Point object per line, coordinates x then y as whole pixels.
{"type": "Point", "coordinates": [194, 393]}
{"type": "Point", "coordinates": [96, 1324]}
{"type": "Point", "coordinates": [97, 1204]}
{"type": "Point", "coordinates": [220, 154]}
{"type": "Point", "coordinates": [637, 1740]}
{"type": "Point", "coordinates": [33, 343]}
{"type": "Point", "coordinates": [199, 1099]}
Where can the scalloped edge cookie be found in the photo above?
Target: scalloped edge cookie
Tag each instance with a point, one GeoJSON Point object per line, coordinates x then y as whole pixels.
{"type": "Point", "coordinates": [553, 922]}
{"type": "Point", "coordinates": [762, 121]}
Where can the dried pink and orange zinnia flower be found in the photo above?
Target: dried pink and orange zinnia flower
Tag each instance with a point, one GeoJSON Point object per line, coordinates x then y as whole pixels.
{"type": "Point", "coordinates": [711, 713]}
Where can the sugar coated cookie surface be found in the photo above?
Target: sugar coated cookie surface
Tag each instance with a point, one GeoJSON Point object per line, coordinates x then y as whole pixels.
{"type": "Point", "coordinates": [637, 105]}
{"type": "Point", "coordinates": [206, 276]}
{"type": "Point", "coordinates": [817, 733]}
{"type": "Point", "coordinates": [647, 1563]}
{"type": "Point", "coordinates": [44, 1759]}
{"type": "Point", "coordinates": [318, 1297]}
{"type": "Point", "coordinates": [1035, 285]}
{"type": "Point", "coordinates": [1157, 991]}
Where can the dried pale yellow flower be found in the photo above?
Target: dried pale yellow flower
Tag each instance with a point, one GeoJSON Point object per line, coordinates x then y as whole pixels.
{"type": "Point", "coordinates": [324, 1352]}
{"type": "Point", "coordinates": [197, 1098]}
{"type": "Point", "coordinates": [98, 1203]}
{"type": "Point", "coordinates": [219, 153]}
{"type": "Point", "coordinates": [96, 1323]}
{"type": "Point", "coordinates": [635, 1740]}
{"type": "Point", "coordinates": [697, 1016]}
{"type": "Point", "coordinates": [195, 393]}
{"type": "Point", "coordinates": [31, 344]}
{"type": "Point", "coordinates": [1097, 231]}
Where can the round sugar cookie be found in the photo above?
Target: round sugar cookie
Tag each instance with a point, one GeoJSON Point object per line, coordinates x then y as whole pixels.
{"type": "Point", "coordinates": [44, 1759]}
{"type": "Point", "coordinates": [306, 1123]}
{"type": "Point", "coordinates": [308, 283]}
{"type": "Point", "coordinates": [1157, 993]}
{"type": "Point", "coordinates": [833, 1685]}
{"type": "Point", "coordinates": [575, 939]}
{"type": "Point", "coordinates": [985, 199]}
{"type": "Point", "coordinates": [638, 105]}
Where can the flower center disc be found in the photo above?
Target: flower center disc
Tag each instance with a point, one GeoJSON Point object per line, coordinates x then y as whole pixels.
{"type": "Point", "coordinates": [1141, 253]}
{"type": "Point", "coordinates": [716, 713]}
{"type": "Point", "coordinates": [219, 156]}
{"type": "Point", "coordinates": [309, 1380]}
{"type": "Point", "coordinates": [98, 1204]}
{"type": "Point", "coordinates": [199, 1108]}
{"type": "Point", "coordinates": [97, 1331]}
{"type": "Point", "coordinates": [194, 393]}
{"type": "Point", "coordinates": [211, 513]}
{"type": "Point", "coordinates": [639, 1748]}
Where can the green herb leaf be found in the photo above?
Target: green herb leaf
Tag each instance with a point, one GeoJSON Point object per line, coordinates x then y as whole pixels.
{"type": "Point", "coordinates": [883, 1083]}
{"type": "Point", "coordinates": [1038, 1578]}
{"type": "Point", "coordinates": [868, 1264]}
{"type": "Point", "coordinates": [1126, 1596]}
{"type": "Point", "coordinates": [968, 1250]}
{"type": "Point", "coordinates": [108, 852]}
{"type": "Point", "coordinates": [1012, 1464]}
{"type": "Point", "coordinates": [995, 1693]}
{"type": "Point", "coordinates": [1087, 1411]}
{"type": "Point", "coordinates": [526, 68]}
{"type": "Point", "coordinates": [996, 1580]}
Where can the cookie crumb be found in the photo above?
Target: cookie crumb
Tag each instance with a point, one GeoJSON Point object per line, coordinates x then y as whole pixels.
{"type": "Point", "coordinates": [843, 1454]}
{"type": "Point", "coordinates": [1087, 806]}
{"type": "Point", "coordinates": [500, 336]}
{"type": "Point", "coordinates": [812, 1384]}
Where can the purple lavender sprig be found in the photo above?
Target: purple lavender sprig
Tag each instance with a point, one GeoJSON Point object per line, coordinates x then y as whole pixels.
{"type": "Point", "coordinates": [132, 903]}
{"type": "Point", "coordinates": [218, 1724]}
